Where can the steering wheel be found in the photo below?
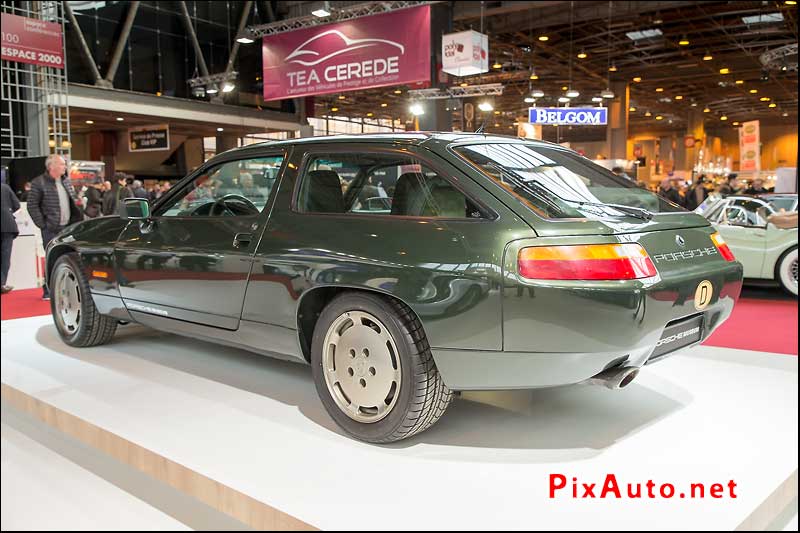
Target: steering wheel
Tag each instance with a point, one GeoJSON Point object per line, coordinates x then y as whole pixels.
{"type": "Point", "coordinates": [219, 208]}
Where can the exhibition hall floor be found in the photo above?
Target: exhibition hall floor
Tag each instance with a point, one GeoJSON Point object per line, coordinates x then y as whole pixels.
{"type": "Point", "coordinates": [165, 423]}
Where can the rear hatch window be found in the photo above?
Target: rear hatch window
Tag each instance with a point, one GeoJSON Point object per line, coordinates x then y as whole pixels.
{"type": "Point", "coordinates": [556, 183]}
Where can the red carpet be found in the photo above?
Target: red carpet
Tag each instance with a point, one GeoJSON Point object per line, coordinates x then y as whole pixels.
{"type": "Point", "coordinates": [756, 324]}
{"type": "Point", "coordinates": [22, 304]}
{"type": "Point", "coordinates": [760, 325]}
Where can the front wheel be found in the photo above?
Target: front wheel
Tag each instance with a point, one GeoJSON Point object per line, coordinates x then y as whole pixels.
{"type": "Point", "coordinates": [373, 369]}
{"type": "Point", "coordinates": [77, 320]}
{"type": "Point", "coordinates": [786, 271]}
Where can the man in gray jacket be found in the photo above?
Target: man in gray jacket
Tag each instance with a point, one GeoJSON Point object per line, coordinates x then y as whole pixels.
{"type": "Point", "coordinates": [8, 224]}
{"type": "Point", "coordinates": [52, 203]}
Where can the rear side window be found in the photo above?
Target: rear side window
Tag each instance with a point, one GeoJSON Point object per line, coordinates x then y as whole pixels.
{"type": "Point", "coordinates": [379, 184]}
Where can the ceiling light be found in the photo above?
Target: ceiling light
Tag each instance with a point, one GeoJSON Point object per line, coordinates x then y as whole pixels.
{"type": "Point", "coordinates": [773, 104]}
{"type": "Point", "coordinates": [533, 76]}
{"type": "Point", "coordinates": [632, 109]}
{"type": "Point", "coordinates": [220, 129]}
{"type": "Point", "coordinates": [582, 55]}
{"type": "Point", "coordinates": [723, 117]}
{"type": "Point", "coordinates": [563, 99]}
{"type": "Point", "coordinates": [398, 91]}
{"type": "Point", "coordinates": [739, 82]}
{"type": "Point", "coordinates": [497, 112]}
{"type": "Point", "coordinates": [735, 123]}
{"type": "Point", "coordinates": [90, 121]}
{"type": "Point", "coordinates": [51, 143]}
{"type": "Point", "coordinates": [497, 65]}
{"type": "Point", "coordinates": [529, 100]}
{"type": "Point", "coordinates": [334, 109]}
{"type": "Point", "coordinates": [684, 41]}
{"type": "Point", "coordinates": [790, 2]}
{"type": "Point", "coordinates": [659, 117]}
{"type": "Point", "coordinates": [384, 104]}
{"type": "Point", "coordinates": [485, 106]}
{"type": "Point", "coordinates": [724, 70]}
{"type": "Point", "coordinates": [637, 79]}
{"type": "Point", "coordinates": [369, 114]}
{"type": "Point", "coordinates": [212, 90]}
{"type": "Point", "coordinates": [679, 97]}
{"type": "Point", "coordinates": [120, 119]}
{"type": "Point", "coordinates": [784, 114]}
{"type": "Point", "coordinates": [708, 56]}
{"type": "Point", "coordinates": [597, 99]}
{"type": "Point", "coordinates": [244, 39]}
{"type": "Point", "coordinates": [544, 38]}
{"type": "Point", "coordinates": [648, 114]}
{"type": "Point", "coordinates": [612, 68]}
{"type": "Point", "coordinates": [416, 110]}
{"type": "Point", "coordinates": [342, 97]}
{"type": "Point", "coordinates": [694, 104]}
{"type": "Point", "coordinates": [564, 87]}
{"type": "Point", "coordinates": [608, 94]}
{"type": "Point", "coordinates": [322, 12]}
{"type": "Point", "coordinates": [765, 98]}
{"type": "Point", "coordinates": [753, 91]}
{"type": "Point", "coordinates": [572, 93]}
{"type": "Point", "coordinates": [706, 110]}
{"type": "Point", "coordinates": [659, 89]}
{"type": "Point", "coordinates": [228, 87]}
{"type": "Point", "coordinates": [464, 84]}
{"type": "Point", "coordinates": [496, 124]}
{"type": "Point", "coordinates": [537, 93]}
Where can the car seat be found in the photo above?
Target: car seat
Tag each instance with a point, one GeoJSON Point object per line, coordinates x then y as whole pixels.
{"type": "Point", "coordinates": [417, 195]}
{"type": "Point", "coordinates": [323, 192]}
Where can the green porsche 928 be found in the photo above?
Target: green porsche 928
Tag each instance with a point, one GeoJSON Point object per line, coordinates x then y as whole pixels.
{"type": "Point", "coordinates": [403, 267]}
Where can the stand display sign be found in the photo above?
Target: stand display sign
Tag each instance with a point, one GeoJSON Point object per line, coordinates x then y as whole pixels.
{"type": "Point", "coordinates": [85, 172]}
{"type": "Point", "coordinates": [750, 146]}
{"type": "Point", "coordinates": [148, 138]}
{"type": "Point", "coordinates": [32, 41]}
{"type": "Point", "coordinates": [465, 53]}
{"type": "Point", "coordinates": [375, 51]}
{"type": "Point", "coordinates": [574, 116]}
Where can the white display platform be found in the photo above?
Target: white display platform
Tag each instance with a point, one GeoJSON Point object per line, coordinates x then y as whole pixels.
{"type": "Point", "coordinates": [256, 425]}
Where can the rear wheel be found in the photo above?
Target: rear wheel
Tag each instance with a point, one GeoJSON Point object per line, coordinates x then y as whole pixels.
{"type": "Point", "coordinates": [373, 369]}
{"type": "Point", "coordinates": [786, 271]}
{"type": "Point", "coordinates": [77, 320]}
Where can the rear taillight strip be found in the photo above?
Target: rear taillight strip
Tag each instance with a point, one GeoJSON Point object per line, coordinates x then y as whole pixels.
{"type": "Point", "coordinates": [586, 262]}
{"type": "Point", "coordinates": [722, 246]}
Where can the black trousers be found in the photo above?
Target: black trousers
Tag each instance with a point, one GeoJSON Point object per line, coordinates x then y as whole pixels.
{"type": "Point", "coordinates": [47, 236]}
{"type": "Point", "coordinates": [5, 263]}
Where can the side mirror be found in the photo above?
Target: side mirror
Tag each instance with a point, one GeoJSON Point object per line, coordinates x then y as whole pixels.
{"type": "Point", "coordinates": [134, 209]}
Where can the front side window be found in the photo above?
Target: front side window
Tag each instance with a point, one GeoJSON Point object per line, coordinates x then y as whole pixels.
{"type": "Point", "coordinates": [379, 184]}
{"type": "Point", "coordinates": [235, 188]}
{"type": "Point", "coordinates": [556, 183]}
{"type": "Point", "coordinates": [746, 212]}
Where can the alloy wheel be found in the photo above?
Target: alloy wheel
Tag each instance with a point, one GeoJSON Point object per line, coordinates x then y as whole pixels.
{"type": "Point", "coordinates": [68, 300]}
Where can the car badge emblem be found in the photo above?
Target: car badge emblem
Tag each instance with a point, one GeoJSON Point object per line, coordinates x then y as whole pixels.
{"type": "Point", "coordinates": [680, 240]}
{"type": "Point", "coordinates": [703, 294]}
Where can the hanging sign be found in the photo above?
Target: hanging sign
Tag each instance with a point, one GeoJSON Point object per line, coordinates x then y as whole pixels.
{"type": "Point", "coordinates": [750, 146]}
{"type": "Point", "coordinates": [33, 41]}
{"type": "Point", "coordinates": [465, 53]}
{"type": "Point", "coordinates": [376, 51]}
{"type": "Point", "coordinates": [575, 116]}
{"type": "Point", "coordinates": [148, 138]}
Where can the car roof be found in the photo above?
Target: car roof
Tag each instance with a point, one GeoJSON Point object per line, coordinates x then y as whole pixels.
{"type": "Point", "coordinates": [415, 138]}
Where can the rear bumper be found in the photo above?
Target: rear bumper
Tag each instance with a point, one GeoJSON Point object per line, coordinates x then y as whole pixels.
{"type": "Point", "coordinates": [559, 333]}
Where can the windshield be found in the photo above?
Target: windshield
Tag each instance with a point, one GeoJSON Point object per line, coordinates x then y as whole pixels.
{"type": "Point", "coordinates": [782, 203]}
{"type": "Point", "coordinates": [556, 183]}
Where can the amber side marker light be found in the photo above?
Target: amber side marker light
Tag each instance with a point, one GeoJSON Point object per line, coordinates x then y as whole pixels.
{"type": "Point", "coordinates": [99, 274]}
{"type": "Point", "coordinates": [722, 246]}
{"type": "Point", "coordinates": [586, 262]}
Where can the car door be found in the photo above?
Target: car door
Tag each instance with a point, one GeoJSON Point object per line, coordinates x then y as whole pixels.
{"type": "Point", "coordinates": [191, 259]}
{"type": "Point", "coordinates": [744, 230]}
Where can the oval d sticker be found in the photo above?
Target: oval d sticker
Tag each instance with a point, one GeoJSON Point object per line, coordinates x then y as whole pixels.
{"type": "Point", "coordinates": [703, 294]}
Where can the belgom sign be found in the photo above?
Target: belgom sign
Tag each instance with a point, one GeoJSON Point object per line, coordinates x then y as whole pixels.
{"type": "Point", "coordinates": [574, 116]}
{"type": "Point", "coordinates": [147, 138]}
{"type": "Point", "coordinates": [376, 51]}
{"type": "Point", "coordinates": [32, 41]}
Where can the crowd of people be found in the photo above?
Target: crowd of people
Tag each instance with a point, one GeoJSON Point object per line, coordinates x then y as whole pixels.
{"type": "Point", "coordinates": [53, 203]}
{"type": "Point", "coordinates": [691, 196]}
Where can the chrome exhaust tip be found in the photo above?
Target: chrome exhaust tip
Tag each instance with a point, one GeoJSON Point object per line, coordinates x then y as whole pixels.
{"type": "Point", "coordinates": [615, 378]}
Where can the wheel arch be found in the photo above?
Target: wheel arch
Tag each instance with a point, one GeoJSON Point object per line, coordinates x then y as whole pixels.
{"type": "Point", "coordinates": [314, 300]}
{"type": "Point", "coordinates": [52, 257]}
{"type": "Point", "coordinates": [776, 267]}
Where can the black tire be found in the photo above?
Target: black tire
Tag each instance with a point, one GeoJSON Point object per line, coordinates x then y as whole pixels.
{"type": "Point", "coordinates": [422, 397]}
{"type": "Point", "coordinates": [92, 328]}
{"type": "Point", "coordinates": [783, 271]}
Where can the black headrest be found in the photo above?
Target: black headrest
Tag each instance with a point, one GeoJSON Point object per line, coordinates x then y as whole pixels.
{"type": "Point", "coordinates": [324, 192]}
{"type": "Point", "coordinates": [406, 187]}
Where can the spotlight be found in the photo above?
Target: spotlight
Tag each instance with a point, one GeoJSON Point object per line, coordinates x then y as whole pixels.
{"type": "Point", "coordinates": [537, 93]}
{"type": "Point", "coordinates": [529, 100]}
{"type": "Point", "coordinates": [597, 99]}
{"type": "Point", "coordinates": [416, 109]}
{"type": "Point", "coordinates": [485, 106]}
{"type": "Point", "coordinates": [563, 99]}
{"type": "Point", "coordinates": [572, 93]}
{"type": "Point", "coordinates": [228, 87]}
{"type": "Point", "coordinates": [211, 90]}
{"type": "Point", "coordinates": [765, 75]}
{"type": "Point", "coordinates": [608, 94]}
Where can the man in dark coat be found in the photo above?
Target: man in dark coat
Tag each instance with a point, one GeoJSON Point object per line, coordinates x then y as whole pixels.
{"type": "Point", "coordinates": [669, 192]}
{"type": "Point", "coordinates": [9, 204]}
{"type": "Point", "coordinates": [117, 195]}
{"type": "Point", "coordinates": [52, 203]}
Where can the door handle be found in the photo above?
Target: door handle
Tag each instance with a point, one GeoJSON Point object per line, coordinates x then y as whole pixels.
{"type": "Point", "coordinates": [242, 239]}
